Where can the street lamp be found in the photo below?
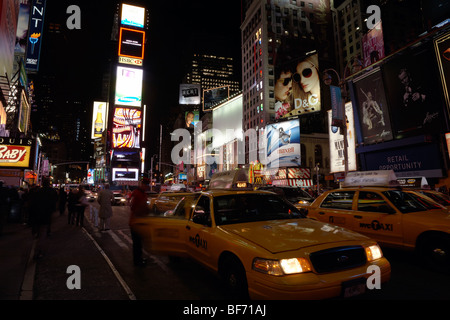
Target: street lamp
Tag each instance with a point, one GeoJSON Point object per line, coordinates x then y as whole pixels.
{"type": "Point", "coordinates": [341, 123]}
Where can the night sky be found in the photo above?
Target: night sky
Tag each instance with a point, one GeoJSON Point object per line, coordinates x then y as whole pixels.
{"type": "Point", "coordinates": [177, 29]}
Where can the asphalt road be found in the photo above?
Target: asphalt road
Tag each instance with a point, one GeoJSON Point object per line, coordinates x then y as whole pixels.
{"type": "Point", "coordinates": [107, 273]}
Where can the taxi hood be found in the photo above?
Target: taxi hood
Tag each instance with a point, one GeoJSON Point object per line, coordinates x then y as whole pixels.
{"type": "Point", "coordinates": [291, 234]}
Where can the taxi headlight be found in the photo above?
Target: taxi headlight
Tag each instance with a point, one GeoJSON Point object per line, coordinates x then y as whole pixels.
{"type": "Point", "coordinates": [373, 253]}
{"type": "Point", "coordinates": [281, 267]}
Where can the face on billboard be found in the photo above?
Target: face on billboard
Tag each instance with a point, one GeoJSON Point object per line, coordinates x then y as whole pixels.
{"type": "Point", "coordinates": [283, 144]}
{"type": "Point", "coordinates": [126, 131]}
{"type": "Point", "coordinates": [297, 87]}
{"type": "Point", "coordinates": [132, 16]}
{"type": "Point", "coordinates": [129, 87]}
{"type": "Point", "coordinates": [412, 90]}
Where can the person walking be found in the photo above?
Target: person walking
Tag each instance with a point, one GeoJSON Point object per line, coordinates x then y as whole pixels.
{"type": "Point", "coordinates": [138, 208]}
{"type": "Point", "coordinates": [80, 206]}
{"type": "Point", "coordinates": [105, 199]}
{"type": "Point", "coordinates": [71, 202]}
{"type": "Point", "coordinates": [42, 204]}
{"type": "Point", "coordinates": [62, 200]}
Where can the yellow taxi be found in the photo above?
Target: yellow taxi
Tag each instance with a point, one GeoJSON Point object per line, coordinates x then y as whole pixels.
{"type": "Point", "coordinates": [388, 214]}
{"type": "Point", "coordinates": [166, 201]}
{"type": "Point", "coordinates": [264, 248]}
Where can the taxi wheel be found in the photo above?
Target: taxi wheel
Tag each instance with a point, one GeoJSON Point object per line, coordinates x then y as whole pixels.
{"type": "Point", "coordinates": [233, 274]}
{"type": "Point", "coordinates": [436, 251]}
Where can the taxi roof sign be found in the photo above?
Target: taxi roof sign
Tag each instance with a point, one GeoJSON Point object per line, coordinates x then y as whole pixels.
{"type": "Point", "coordinates": [377, 178]}
{"type": "Point", "coordinates": [229, 179]}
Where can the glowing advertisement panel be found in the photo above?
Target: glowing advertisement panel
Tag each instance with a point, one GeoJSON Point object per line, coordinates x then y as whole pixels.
{"type": "Point", "coordinates": [189, 94]}
{"type": "Point", "coordinates": [283, 144]}
{"type": "Point", "coordinates": [132, 16]}
{"type": "Point", "coordinates": [125, 174]}
{"type": "Point", "coordinates": [131, 43]}
{"type": "Point", "coordinates": [337, 158]}
{"type": "Point", "coordinates": [99, 119]}
{"type": "Point", "coordinates": [36, 27]}
{"type": "Point", "coordinates": [15, 152]}
{"type": "Point", "coordinates": [128, 87]}
{"type": "Point", "coordinates": [297, 86]}
{"type": "Point", "coordinates": [126, 131]}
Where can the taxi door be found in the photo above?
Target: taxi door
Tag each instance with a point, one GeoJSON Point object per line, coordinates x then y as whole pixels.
{"type": "Point", "coordinates": [336, 208]}
{"type": "Point", "coordinates": [377, 219]}
{"type": "Point", "coordinates": [199, 231]}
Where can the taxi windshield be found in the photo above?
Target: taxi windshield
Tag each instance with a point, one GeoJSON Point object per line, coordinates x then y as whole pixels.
{"type": "Point", "coordinates": [409, 202]}
{"type": "Point", "coordinates": [239, 208]}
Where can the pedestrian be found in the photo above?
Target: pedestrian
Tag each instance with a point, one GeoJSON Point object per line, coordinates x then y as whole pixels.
{"type": "Point", "coordinates": [71, 202]}
{"type": "Point", "coordinates": [3, 205]}
{"type": "Point", "coordinates": [42, 205]}
{"type": "Point", "coordinates": [62, 200]}
{"type": "Point", "coordinates": [105, 198]}
{"type": "Point", "coordinates": [138, 208]}
{"type": "Point", "coordinates": [80, 206]}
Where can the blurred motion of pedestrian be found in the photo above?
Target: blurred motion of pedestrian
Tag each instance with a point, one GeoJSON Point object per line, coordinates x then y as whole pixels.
{"type": "Point", "coordinates": [71, 202]}
{"type": "Point", "coordinates": [62, 200]}
{"type": "Point", "coordinates": [80, 206]}
{"type": "Point", "coordinates": [138, 208]}
{"type": "Point", "coordinates": [105, 198]}
{"type": "Point", "coordinates": [42, 205]}
{"type": "Point", "coordinates": [3, 205]}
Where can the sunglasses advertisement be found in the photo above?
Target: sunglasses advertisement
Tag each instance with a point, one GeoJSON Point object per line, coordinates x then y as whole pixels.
{"type": "Point", "coordinates": [297, 87]}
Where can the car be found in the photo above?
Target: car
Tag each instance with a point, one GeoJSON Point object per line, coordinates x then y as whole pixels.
{"type": "Point", "coordinates": [297, 196]}
{"type": "Point", "coordinates": [263, 247]}
{"type": "Point", "coordinates": [392, 216]}
{"type": "Point", "coordinates": [437, 196]}
{"type": "Point", "coordinates": [166, 201]}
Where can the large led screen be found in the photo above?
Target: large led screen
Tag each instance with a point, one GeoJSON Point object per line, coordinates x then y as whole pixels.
{"type": "Point", "coordinates": [296, 85]}
{"type": "Point", "coordinates": [129, 87]}
{"type": "Point", "coordinates": [132, 16]}
{"type": "Point", "coordinates": [372, 108]}
{"type": "Point", "coordinates": [36, 28]}
{"type": "Point", "coordinates": [413, 92]}
{"type": "Point", "coordinates": [131, 43]}
{"type": "Point", "coordinates": [337, 152]}
{"type": "Point", "coordinates": [283, 144]}
{"type": "Point", "coordinates": [126, 131]}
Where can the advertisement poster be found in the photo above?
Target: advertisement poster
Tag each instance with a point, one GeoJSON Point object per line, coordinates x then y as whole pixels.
{"type": "Point", "coordinates": [189, 94]}
{"type": "Point", "coordinates": [214, 97]}
{"type": "Point", "coordinates": [412, 89]}
{"type": "Point", "coordinates": [99, 116]}
{"type": "Point", "coordinates": [129, 87]}
{"type": "Point", "coordinates": [36, 28]}
{"type": "Point", "coordinates": [337, 157]}
{"type": "Point", "coordinates": [372, 108]}
{"type": "Point", "coordinates": [283, 144]}
{"type": "Point", "coordinates": [131, 43]}
{"type": "Point", "coordinates": [297, 86]}
{"type": "Point", "coordinates": [132, 16]}
{"type": "Point", "coordinates": [126, 131]}
{"type": "Point", "coordinates": [373, 45]}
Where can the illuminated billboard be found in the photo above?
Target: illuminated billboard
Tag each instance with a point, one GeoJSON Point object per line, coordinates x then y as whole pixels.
{"type": "Point", "coordinates": [283, 144]}
{"type": "Point", "coordinates": [15, 152]}
{"type": "Point", "coordinates": [36, 28]}
{"type": "Point", "coordinates": [126, 130]}
{"type": "Point", "coordinates": [132, 16]}
{"type": "Point", "coordinates": [24, 113]}
{"type": "Point", "coordinates": [129, 87]}
{"type": "Point", "coordinates": [337, 157]}
{"type": "Point", "coordinates": [125, 174]}
{"type": "Point", "coordinates": [296, 85]}
{"type": "Point", "coordinates": [99, 116]}
{"type": "Point", "coordinates": [189, 94]}
{"type": "Point", "coordinates": [131, 43]}
{"type": "Point", "coordinates": [214, 97]}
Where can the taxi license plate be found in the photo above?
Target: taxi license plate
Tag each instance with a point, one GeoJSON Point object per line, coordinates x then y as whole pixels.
{"type": "Point", "coordinates": [353, 288]}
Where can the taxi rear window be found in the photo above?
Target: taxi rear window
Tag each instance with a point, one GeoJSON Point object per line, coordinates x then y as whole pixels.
{"type": "Point", "coordinates": [339, 200]}
{"type": "Point", "coordinates": [252, 207]}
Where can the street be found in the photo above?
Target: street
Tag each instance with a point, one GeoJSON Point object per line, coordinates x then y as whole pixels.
{"type": "Point", "coordinates": [107, 272]}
